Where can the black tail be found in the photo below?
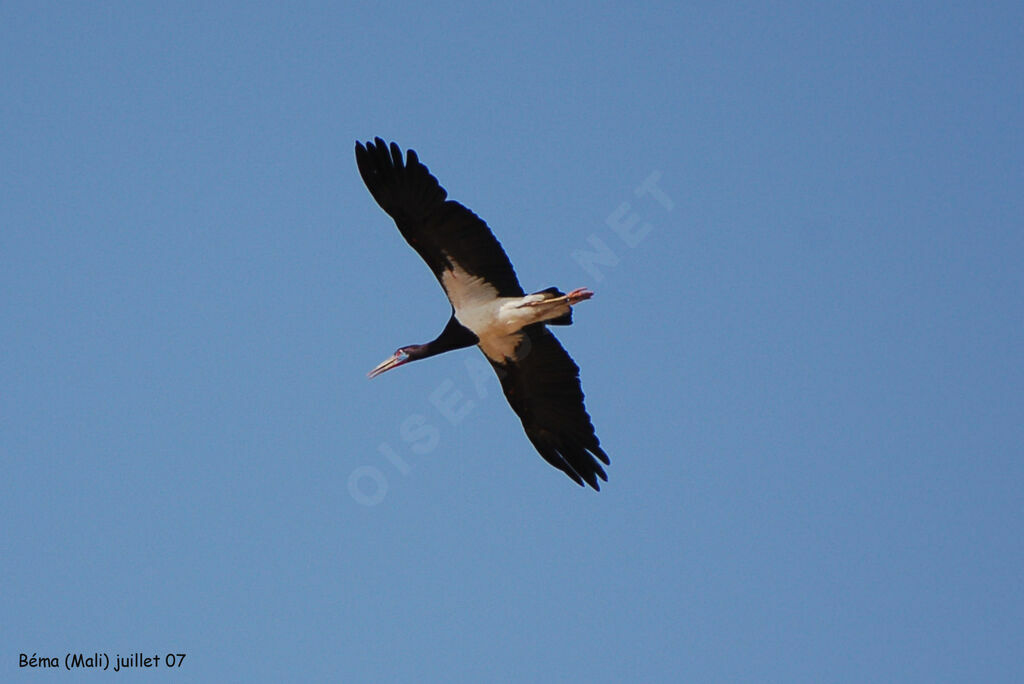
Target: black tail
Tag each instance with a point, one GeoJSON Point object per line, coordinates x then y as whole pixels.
{"type": "Point", "coordinates": [561, 320]}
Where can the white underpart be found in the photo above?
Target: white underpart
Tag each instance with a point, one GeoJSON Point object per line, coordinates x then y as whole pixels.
{"type": "Point", "coordinates": [495, 320]}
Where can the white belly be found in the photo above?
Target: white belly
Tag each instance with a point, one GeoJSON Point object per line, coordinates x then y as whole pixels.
{"type": "Point", "coordinates": [495, 320]}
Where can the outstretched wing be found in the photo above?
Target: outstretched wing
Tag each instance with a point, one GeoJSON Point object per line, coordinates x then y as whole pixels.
{"type": "Point", "coordinates": [442, 231]}
{"type": "Point", "coordinates": [543, 387]}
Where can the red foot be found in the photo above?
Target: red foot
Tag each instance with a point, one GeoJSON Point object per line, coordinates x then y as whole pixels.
{"type": "Point", "coordinates": [580, 294]}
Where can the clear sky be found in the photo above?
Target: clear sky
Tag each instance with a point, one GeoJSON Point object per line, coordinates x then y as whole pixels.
{"type": "Point", "coordinates": [804, 355]}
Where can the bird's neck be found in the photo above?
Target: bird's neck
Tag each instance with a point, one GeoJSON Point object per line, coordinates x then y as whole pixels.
{"type": "Point", "coordinates": [454, 336]}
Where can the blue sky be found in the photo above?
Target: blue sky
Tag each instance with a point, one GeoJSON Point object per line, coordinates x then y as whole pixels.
{"type": "Point", "coordinates": [804, 357]}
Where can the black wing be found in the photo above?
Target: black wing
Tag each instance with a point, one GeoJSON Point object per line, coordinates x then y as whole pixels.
{"type": "Point", "coordinates": [543, 387]}
{"type": "Point", "coordinates": [442, 231]}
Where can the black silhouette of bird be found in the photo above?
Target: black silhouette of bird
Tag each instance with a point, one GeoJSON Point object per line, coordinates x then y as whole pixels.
{"type": "Point", "coordinates": [489, 309]}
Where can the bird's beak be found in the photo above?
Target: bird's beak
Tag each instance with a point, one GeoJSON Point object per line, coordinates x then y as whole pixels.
{"type": "Point", "coordinates": [386, 365]}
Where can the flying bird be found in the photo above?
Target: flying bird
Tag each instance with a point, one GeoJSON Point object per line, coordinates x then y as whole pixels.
{"type": "Point", "coordinates": [489, 309]}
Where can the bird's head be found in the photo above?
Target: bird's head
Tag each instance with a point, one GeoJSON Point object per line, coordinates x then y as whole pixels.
{"type": "Point", "coordinates": [401, 356]}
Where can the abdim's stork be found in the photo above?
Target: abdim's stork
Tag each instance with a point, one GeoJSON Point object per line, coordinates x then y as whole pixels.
{"type": "Point", "coordinates": [489, 309]}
